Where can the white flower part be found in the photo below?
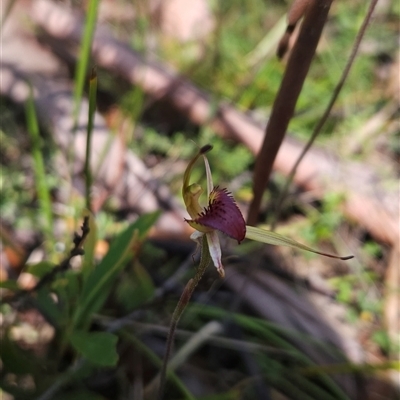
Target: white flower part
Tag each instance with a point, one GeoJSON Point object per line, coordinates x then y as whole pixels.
{"type": "Point", "coordinates": [196, 235]}
{"type": "Point", "coordinates": [215, 251]}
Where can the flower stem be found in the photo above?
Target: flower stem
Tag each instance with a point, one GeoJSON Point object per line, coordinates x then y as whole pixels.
{"type": "Point", "coordinates": [180, 307]}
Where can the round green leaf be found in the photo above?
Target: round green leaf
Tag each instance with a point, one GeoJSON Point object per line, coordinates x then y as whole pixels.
{"type": "Point", "coordinates": [97, 347]}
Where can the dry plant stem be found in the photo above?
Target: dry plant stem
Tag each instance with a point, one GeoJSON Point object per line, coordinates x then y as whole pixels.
{"type": "Point", "coordinates": [324, 118]}
{"type": "Point", "coordinates": [285, 101]}
{"type": "Point", "coordinates": [180, 307]}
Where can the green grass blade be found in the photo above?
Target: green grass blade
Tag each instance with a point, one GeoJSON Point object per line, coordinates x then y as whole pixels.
{"type": "Point", "coordinates": [39, 167]}
{"type": "Point", "coordinates": [258, 326]}
{"type": "Point", "coordinates": [274, 335]}
{"type": "Point", "coordinates": [84, 55]}
{"type": "Point", "coordinates": [92, 109]}
{"type": "Point", "coordinates": [351, 368]}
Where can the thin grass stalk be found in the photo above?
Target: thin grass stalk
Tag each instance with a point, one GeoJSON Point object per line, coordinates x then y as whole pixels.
{"type": "Point", "coordinates": [84, 55]}
{"type": "Point", "coordinates": [286, 98]}
{"type": "Point", "coordinates": [311, 387]}
{"type": "Point", "coordinates": [42, 187]}
{"type": "Point", "coordinates": [92, 109]}
{"type": "Point", "coordinates": [282, 380]}
{"type": "Point", "coordinates": [81, 70]}
{"type": "Point", "coordinates": [180, 307]}
{"type": "Point", "coordinates": [278, 341]}
{"type": "Point", "coordinates": [345, 368]}
{"type": "Point", "coordinates": [256, 326]}
{"type": "Point", "coordinates": [324, 118]}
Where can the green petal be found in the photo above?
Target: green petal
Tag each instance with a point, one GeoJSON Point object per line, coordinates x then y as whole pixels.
{"type": "Point", "coordinates": [264, 236]}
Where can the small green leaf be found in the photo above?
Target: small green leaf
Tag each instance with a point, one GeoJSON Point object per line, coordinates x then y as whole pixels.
{"type": "Point", "coordinates": [97, 347]}
{"type": "Point", "coordinates": [9, 284]}
{"type": "Point", "coordinates": [40, 269]}
{"type": "Point", "coordinates": [48, 307]}
{"type": "Point", "coordinates": [264, 236]}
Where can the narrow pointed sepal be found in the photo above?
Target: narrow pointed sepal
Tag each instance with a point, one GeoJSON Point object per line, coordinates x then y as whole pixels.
{"type": "Point", "coordinates": [222, 214]}
{"type": "Point", "coordinates": [264, 236]}
{"type": "Point", "coordinates": [215, 251]}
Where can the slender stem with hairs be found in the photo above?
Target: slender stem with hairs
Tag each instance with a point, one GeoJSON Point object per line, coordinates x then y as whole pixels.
{"type": "Point", "coordinates": [180, 307]}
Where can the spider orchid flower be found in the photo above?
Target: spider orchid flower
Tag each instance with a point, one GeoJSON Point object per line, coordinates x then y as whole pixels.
{"type": "Point", "coordinates": [222, 214]}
